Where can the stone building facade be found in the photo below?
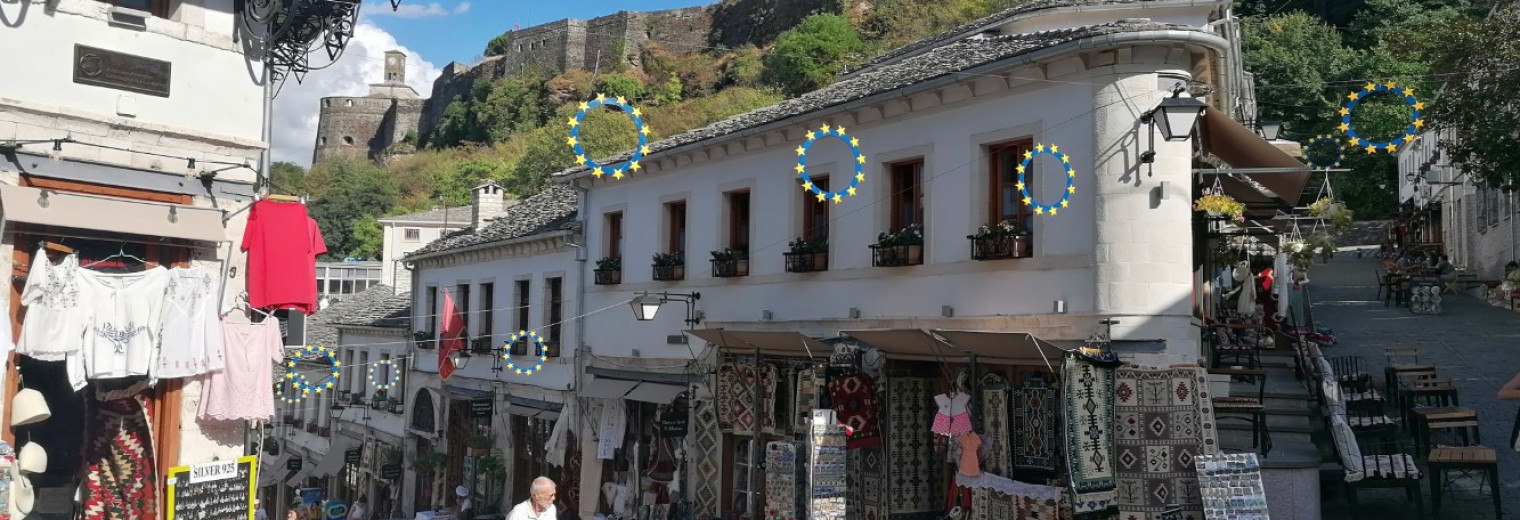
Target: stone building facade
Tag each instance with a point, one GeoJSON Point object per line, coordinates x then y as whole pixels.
{"type": "Point", "coordinates": [367, 126]}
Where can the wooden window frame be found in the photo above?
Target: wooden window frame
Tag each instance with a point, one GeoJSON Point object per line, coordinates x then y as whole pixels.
{"type": "Point", "coordinates": [432, 312]}
{"type": "Point", "coordinates": [675, 220]}
{"type": "Point", "coordinates": [614, 246]}
{"type": "Point", "coordinates": [997, 153]}
{"type": "Point", "coordinates": [462, 304]}
{"type": "Point", "coordinates": [554, 313]}
{"type": "Point", "coordinates": [523, 290]}
{"type": "Point", "coordinates": [898, 171]}
{"type": "Point", "coordinates": [739, 218]}
{"type": "Point", "coordinates": [812, 209]}
{"type": "Point", "coordinates": [487, 309]}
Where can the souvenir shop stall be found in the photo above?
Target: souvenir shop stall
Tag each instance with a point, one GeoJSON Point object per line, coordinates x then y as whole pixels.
{"type": "Point", "coordinates": [116, 320]}
{"type": "Point", "coordinates": [948, 424]}
{"type": "Point", "coordinates": [643, 429]}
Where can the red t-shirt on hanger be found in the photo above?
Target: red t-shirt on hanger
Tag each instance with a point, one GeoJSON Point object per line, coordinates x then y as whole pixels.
{"type": "Point", "coordinates": [282, 243]}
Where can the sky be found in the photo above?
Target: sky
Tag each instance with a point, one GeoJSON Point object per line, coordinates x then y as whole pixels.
{"type": "Point", "coordinates": [432, 34]}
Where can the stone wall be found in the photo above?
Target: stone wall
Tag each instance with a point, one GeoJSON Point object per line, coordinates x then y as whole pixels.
{"type": "Point", "coordinates": [741, 22]}
{"type": "Point", "coordinates": [363, 126]}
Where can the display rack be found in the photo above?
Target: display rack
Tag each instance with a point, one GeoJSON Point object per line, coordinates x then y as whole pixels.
{"type": "Point", "coordinates": [1231, 487]}
{"type": "Point", "coordinates": [825, 497]}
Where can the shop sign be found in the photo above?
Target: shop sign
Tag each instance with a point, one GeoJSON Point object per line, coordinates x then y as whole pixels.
{"type": "Point", "coordinates": [192, 491]}
{"type": "Point", "coordinates": [120, 71]}
{"type": "Point", "coordinates": [675, 420]}
{"type": "Point", "coordinates": [337, 511]}
{"type": "Point", "coordinates": [293, 464]}
{"type": "Point", "coordinates": [390, 471]}
{"type": "Point", "coordinates": [482, 408]}
{"type": "Point", "coordinates": [353, 456]}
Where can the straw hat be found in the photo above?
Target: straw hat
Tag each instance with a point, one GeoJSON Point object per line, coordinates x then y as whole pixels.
{"type": "Point", "coordinates": [32, 458]}
{"type": "Point", "coordinates": [29, 407]}
{"type": "Point", "coordinates": [23, 497]}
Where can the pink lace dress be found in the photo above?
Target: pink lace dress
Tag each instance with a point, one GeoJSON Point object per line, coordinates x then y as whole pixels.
{"type": "Point", "coordinates": [954, 415]}
{"type": "Point", "coordinates": [244, 390]}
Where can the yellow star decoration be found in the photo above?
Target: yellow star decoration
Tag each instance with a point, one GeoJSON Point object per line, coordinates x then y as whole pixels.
{"type": "Point", "coordinates": [633, 166]}
{"type": "Point", "coordinates": [1392, 147]}
{"type": "Point", "coordinates": [601, 97]}
{"type": "Point", "coordinates": [1039, 148]}
{"type": "Point", "coordinates": [810, 135]}
{"type": "Point", "coordinates": [1019, 185]}
{"type": "Point", "coordinates": [860, 159]}
{"type": "Point", "coordinates": [1066, 159]}
{"type": "Point", "coordinates": [1408, 91]}
{"type": "Point", "coordinates": [1069, 189]}
{"type": "Point", "coordinates": [1064, 203]}
{"type": "Point", "coordinates": [825, 128]}
{"type": "Point", "coordinates": [800, 168]}
{"type": "Point", "coordinates": [820, 197]}
{"type": "Point", "coordinates": [570, 141]}
{"type": "Point", "coordinates": [1052, 212]}
{"type": "Point", "coordinates": [837, 198]}
{"type": "Point", "coordinates": [1351, 96]}
{"type": "Point", "coordinates": [617, 174]}
{"type": "Point", "coordinates": [1054, 148]}
{"type": "Point", "coordinates": [644, 130]}
{"type": "Point", "coordinates": [1371, 149]}
{"type": "Point", "coordinates": [1419, 105]}
{"type": "Point", "coordinates": [1391, 84]}
{"type": "Point", "coordinates": [851, 191]}
{"type": "Point", "coordinates": [839, 129]}
{"type": "Point", "coordinates": [1345, 111]}
{"type": "Point", "coordinates": [807, 185]}
{"type": "Point", "coordinates": [597, 171]}
{"type": "Point", "coordinates": [644, 150]}
{"type": "Point", "coordinates": [1369, 86]}
{"type": "Point", "coordinates": [580, 159]}
{"type": "Point", "coordinates": [584, 106]}
{"type": "Point", "coordinates": [620, 100]}
{"type": "Point", "coordinates": [801, 151]}
{"type": "Point", "coordinates": [1028, 201]}
{"type": "Point", "coordinates": [1408, 138]}
{"type": "Point", "coordinates": [519, 371]}
{"type": "Point", "coordinates": [860, 177]}
{"type": "Point", "coordinates": [1344, 126]}
{"type": "Point", "coordinates": [544, 359]}
{"type": "Point", "coordinates": [1356, 142]}
{"type": "Point", "coordinates": [854, 142]}
{"type": "Point", "coordinates": [574, 123]}
{"type": "Point", "coordinates": [636, 112]}
{"type": "Point", "coordinates": [1020, 168]}
{"type": "Point", "coordinates": [1419, 123]}
{"type": "Point", "coordinates": [1039, 210]}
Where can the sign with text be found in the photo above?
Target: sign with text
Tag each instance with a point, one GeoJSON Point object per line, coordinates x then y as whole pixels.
{"type": "Point", "coordinates": [481, 408]}
{"type": "Point", "coordinates": [212, 491]}
{"type": "Point", "coordinates": [120, 71]}
{"type": "Point", "coordinates": [353, 456]}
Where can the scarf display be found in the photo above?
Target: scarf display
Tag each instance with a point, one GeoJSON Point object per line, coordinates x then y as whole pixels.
{"type": "Point", "coordinates": [121, 480]}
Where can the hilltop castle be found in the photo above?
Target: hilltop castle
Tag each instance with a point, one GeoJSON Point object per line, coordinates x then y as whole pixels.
{"type": "Point", "coordinates": [367, 126]}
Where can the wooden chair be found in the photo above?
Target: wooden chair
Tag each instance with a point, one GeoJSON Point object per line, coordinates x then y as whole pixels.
{"type": "Point", "coordinates": [1249, 408]}
{"type": "Point", "coordinates": [1239, 343]}
{"type": "Point", "coordinates": [1393, 469]}
{"type": "Point", "coordinates": [1463, 459]}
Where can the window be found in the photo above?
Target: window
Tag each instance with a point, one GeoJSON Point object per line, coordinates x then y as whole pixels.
{"type": "Point", "coordinates": [348, 372]}
{"type": "Point", "coordinates": [159, 8]}
{"type": "Point", "coordinates": [907, 194]}
{"type": "Point", "coordinates": [348, 139]}
{"type": "Point", "coordinates": [413, 234]}
{"type": "Point", "coordinates": [745, 492]}
{"type": "Point", "coordinates": [1004, 201]}
{"type": "Point", "coordinates": [675, 216]}
{"type": "Point", "coordinates": [487, 309]}
{"type": "Point", "coordinates": [738, 219]}
{"type": "Point", "coordinates": [615, 234]}
{"type": "Point", "coordinates": [363, 383]}
{"type": "Point", "coordinates": [321, 141]}
{"type": "Point", "coordinates": [815, 212]}
{"type": "Point", "coordinates": [462, 304]}
{"type": "Point", "coordinates": [432, 310]}
{"type": "Point", "coordinates": [554, 289]}
{"type": "Point", "coordinates": [523, 298]}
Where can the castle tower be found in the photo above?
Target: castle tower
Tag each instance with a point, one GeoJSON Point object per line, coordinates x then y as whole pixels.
{"type": "Point", "coordinates": [395, 67]}
{"type": "Point", "coordinates": [367, 126]}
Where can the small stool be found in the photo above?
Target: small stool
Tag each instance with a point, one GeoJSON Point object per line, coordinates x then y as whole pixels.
{"type": "Point", "coordinates": [1429, 421]}
{"type": "Point", "coordinates": [1468, 458]}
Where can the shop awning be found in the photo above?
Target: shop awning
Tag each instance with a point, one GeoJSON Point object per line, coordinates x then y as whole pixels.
{"type": "Point", "coordinates": [468, 394]}
{"type": "Point", "coordinates": [657, 393]}
{"type": "Point", "coordinates": [524, 407]}
{"type": "Point", "coordinates": [1241, 148]}
{"type": "Point", "coordinates": [332, 461]}
{"type": "Point", "coordinates": [603, 388]}
{"type": "Point", "coordinates": [271, 468]}
{"type": "Point", "coordinates": [769, 343]}
{"type": "Point", "coordinates": [46, 207]}
{"type": "Point", "coordinates": [909, 344]}
{"type": "Point", "coordinates": [1013, 348]}
{"type": "Point", "coordinates": [298, 478]}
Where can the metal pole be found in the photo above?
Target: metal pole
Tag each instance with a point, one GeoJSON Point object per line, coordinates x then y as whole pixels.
{"type": "Point", "coordinates": [755, 453]}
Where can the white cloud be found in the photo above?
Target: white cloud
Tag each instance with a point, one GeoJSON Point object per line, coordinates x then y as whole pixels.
{"type": "Point", "coordinates": [416, 10]}
{"type": "Point", "coordinates": [362, 63]}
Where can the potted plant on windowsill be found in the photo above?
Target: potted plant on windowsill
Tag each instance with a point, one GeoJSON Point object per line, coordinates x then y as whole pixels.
{"type": "Point", "coordinates": [356, 399]}
{"type": "Point", "coordinates": [378, 401]}
{"type": "Point", "coordinates": [807, 255]}
{"type": "Point", "coordinates": [395, 405]}
{"type": "Point", "coordinates": [480, 345]}
{"type": "Point", "coordinates": [1006, 239]}
{"type": "Point", "coordinates": [669, 266]}
{"type": "Point", "coordinates": [609, 271]}
{"type": "Point", "coordinates": [730, 262]}
{"type": "Point", "coordinates": [423, 339]}
{"type": "Point", "coordinates": [904, 247]}
{"type": "Point", "coordinates": [479, 444]}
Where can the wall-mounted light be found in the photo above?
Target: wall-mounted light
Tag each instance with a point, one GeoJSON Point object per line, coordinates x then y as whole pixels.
{"type": "Point", "coordinates": [1176, 115]}
{"type": "Point", "coordinates": [766, 316]}
{"type": "Point", "coordinates": [57, 153]}
{"type": "Point", "coordinates": [645, 305]}
{"type": "Point", "coordinates": [190, 163]}
{"type": "Point", "coordinates": [460, 358]}
{"type": "Point", "coordinates": [1269, 129]}
{"type": "Point", "coordinates": [173, 214]}
{"type": "Point", "coordinates": [947, 311]}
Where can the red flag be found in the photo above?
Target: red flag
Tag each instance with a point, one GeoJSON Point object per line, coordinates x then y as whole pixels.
{"type": "Point", "coordinates": [450, 338]}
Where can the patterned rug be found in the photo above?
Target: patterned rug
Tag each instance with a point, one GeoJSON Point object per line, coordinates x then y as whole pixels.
{"type": "Point", "coordinates": [996, 431]}
{"type": "Point", "coordinates": [914, 474]}
{"type": "Point", "coordinates": [1035, 421]}
{"type": "Point", "coordinates": [867, 483]}
{"type": "Point", "coordinates": [705, 441]}
{"type": "Point", "coordinates": [769, 376]}
{"type": "Point", "coordinates": [121, 480]}
{"type": "Point", "coordinates": [780, 481]}
{"type": "Point", "coordinates": [1089, 419]}
{"type": "Point", "coordinates": [736, 398]}
{"type": "Point", "coordinates": [809, 386]}
{"type": "Point", "coordinates": [1164, 420]}
{"type": "Point", "coordinates": [572, 489]}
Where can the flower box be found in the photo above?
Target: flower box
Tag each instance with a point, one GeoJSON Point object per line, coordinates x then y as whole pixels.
{"type": "Point", "coordinates": [481, 345]}
{"type": "Point", "coordinates": [730, 262]}
{"type": "Point", "coordinates": [999, 247]}
{"type": "Point", "coordinates": [608, 277]}
{"type": "Point", "coordinates": [806, 262]}
{"type": "Point", "coordinates": [669, 267]}
{"type": "Point", "coordinates": [896, 255]}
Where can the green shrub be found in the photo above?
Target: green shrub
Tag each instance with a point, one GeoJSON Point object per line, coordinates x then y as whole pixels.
{"type": "Point", "coordinates": [806, 57]}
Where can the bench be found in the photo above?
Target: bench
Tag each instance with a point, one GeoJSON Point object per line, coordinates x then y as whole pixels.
{"type": "Point", "coordinates": [1391, 470]}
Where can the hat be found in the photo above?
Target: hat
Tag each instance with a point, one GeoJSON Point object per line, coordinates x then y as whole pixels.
{"type": "Point", "coordinates": [32, 458]}
{"type": "Point", "coordinates": [462, 491]}
{"type": "Point", "coordinates": [29, 407]}
{"type": "Point", "coordinates": [23, 497]}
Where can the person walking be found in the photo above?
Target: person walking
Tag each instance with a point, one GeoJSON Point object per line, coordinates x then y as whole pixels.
{"type": "Point", "coordinates": [540, 502]}
{"type": "Point", "coordinates": [360, 509]}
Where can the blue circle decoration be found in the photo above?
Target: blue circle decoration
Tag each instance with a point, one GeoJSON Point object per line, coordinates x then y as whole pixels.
{"type": "Point", "coordinates": [598, 170]}
{"type": "Point", "coordinates": [299, 380]}
{"type": "Point", "coordinates": [860, 163]}
{"type": "Point", "coordinates": [1390, 146]}
{"type": "Point", "coordinates": [381, 384]}
{"type": "Point", "coordinates": [279, 391]}
{"type": "Point", "coordinates": [1340, 152]}
{"type": "Point", "coordinates": [533, 339]}
{"type": "Point", "coordinates": [1071, 179]}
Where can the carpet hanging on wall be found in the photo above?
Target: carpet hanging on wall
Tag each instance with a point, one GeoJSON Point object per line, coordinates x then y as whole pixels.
{"type": "Point", "coordinates": [1089, 419]}
{"type": "Point", "coordinates": [1164, 420]}
{"type": "Point", "coordinates": [121, 481]}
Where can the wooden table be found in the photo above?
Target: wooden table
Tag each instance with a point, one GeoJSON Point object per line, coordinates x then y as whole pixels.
{"type": "Point", "coordinates": [1467, 458]}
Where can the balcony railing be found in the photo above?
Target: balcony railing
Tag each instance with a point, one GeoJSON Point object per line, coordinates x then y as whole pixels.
{"type": "Point", "coordinates": [609, 276]}
{"type": "Point", "coordinates": [1000, 247]}
{"type": "Point", "coordinates": [896, 255]}
{"type": "Point", "coordinates": [806, 262]}
{"type": "Point", "coordinates": [669, 273]}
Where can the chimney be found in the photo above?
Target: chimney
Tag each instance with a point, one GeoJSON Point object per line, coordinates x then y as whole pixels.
{"type": "Point", "coordinates": [489, 204]}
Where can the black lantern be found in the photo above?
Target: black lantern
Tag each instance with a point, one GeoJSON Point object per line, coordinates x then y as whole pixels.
{"type": "Point", "coordinates": [646, 305]}
{"type": "Point", "coordinates": [460, 358]}
{"type": "Point", "coordinates": [336, 411]}
{"type": "Point", "coordinates": [1270, 129]}
{"type": "Point", "coordinates": [1176, 116]}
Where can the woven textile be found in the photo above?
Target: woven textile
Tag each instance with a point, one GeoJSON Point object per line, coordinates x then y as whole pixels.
{"type": "Point", "coordinates": [571, 489]}
{"type": "Point", "coordinates": [1163, 420]}
{"type": "Point", "coordinates": [780, 481]}
{"type": "Point", "coordinates": [769, 376]}
{"type": "Point", "coordinates": [809, 386]}
{"type": "Point", "coordinates": [1089, 419]}
{"type": "Point", "coordinates": [867, 484]}
{"type": "Point", "coordinates": [1035, 423]}
{"type": "Point", "coordinates": [705, 442]}
{"type": "Point", "coordinates": [914, 471]}
{"type": "Point", "coordinates": [854, 398]}
{"type": "Point", "coordinates": [121, 478]}
{"type": "Point", "coordinates": [997, 431]}
{"type": "Point", "coordinates": [737, 383]}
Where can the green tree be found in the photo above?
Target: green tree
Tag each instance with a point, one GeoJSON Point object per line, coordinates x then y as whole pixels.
{"type": "Point", "coordinates": [289, 176]}
{"type": "Point", "coordinates": [350, 189]}
{"type": "Point", "coordinates": [500, 44]}
{"type": "Point", "coordinates": [614, 85]}
{"type": "Point", "coordinates": [806, 57]}
{"type": "Point", "coordinates": [1476, 108]}
{"type": "Point", "coordinates": [368, 240]}
{"type": "Point", "coordinates": [508, 105]}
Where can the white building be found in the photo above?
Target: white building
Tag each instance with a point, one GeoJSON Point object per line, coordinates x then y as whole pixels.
{"type": "Point", "coordinates": [1473, 222]}
{"type": "Point", "coordinates": [339, 280]}
{"type": "Point", "coordinates": [149, 119]}
{"type": "Point", "coordinates": [514, 270]}
{"type": "Point", "coordinates": [407, 233]}
{"type": "Point", "coordinates": [943, 125]}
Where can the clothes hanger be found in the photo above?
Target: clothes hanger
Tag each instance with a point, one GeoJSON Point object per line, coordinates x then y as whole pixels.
{"type": "Point", "coordinates": [284, 198]}
{"type": "Point", "coordinates": [57, 247]}
{"type": "Point", "coordinates": [122, 253]}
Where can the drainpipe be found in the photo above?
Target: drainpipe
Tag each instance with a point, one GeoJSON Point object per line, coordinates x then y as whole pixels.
{"type": "Point", "coordinates": [581, 349]}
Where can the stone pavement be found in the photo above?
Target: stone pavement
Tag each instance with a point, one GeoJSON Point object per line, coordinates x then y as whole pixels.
{"type": "Point", "coordinates": [1471, 342]}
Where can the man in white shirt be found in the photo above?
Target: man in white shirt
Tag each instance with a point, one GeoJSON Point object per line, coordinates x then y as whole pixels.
{"type": "Point", "coordinates": [540, 502]}
{"type": "Point", "coordinates": [359, 511]}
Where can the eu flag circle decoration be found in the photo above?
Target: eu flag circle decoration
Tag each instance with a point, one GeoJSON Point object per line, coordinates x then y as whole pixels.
{"type": "Point", "coordinates": [1392, 145]}
{"type": "Point", "coordinates": [1340, 153]}
{"type": "Point", "coordinates": [1071, 180]}
{"type": "Point", "coordinates": [299, 380]}
{"type": "Point", "coordinates": [837, 132]}
{"type": "Point", "coordinates": [382, 383]}
{"type": "Point", "coordinates": [533, 339]}
{"type": "Point", "coordinates": [280, 392]}
{"type": "Point", "coordinates": [616, 170]}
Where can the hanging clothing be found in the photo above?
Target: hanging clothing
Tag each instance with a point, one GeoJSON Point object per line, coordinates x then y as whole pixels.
{"type": "Point", "coordinates": [127, 312]}
{"type": "Point", "coordinates": [121, 480]}
{"type": "Point", "coordinates": [245, 389]}
{"type": "Point", "coordinates": [283, 244]}
{"type": "Point", "coordinates": [954, 415]}
{"type": "Point", "coordinates": [191, 343]}
{"type": "Point", "coordinates": [854, 398]}
{"type": "Point", "coordinates": [559, 438]}
{"type": "Point", "coordinates": [969, 465]}
{"type": "Point", "coordinates": [613, 427]}
{"type": "Point", "coordinates": [56, 316]}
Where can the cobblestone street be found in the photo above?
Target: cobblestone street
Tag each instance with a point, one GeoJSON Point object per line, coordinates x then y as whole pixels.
{"type": "Point", "coordinates": [1471, 342]}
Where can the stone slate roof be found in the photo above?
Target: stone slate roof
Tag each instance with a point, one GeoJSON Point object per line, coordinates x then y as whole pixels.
{"type": "Point", "coordinates": [319, 326]}
{"type": "Point", "coordinates": [946, 59]}
{"type": "Point", "coordinates": [392, 311]}
{"type": "Point", "coordinates": [456, 214]}
{"type": "Point", "coordinates": [551, 210]}
{"type": "Point", "coordinates": [991, 19]}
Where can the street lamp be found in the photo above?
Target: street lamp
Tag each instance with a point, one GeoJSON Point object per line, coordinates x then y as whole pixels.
{"type": "Point", "coordinates": [645, 305]}
{"type": "Point", "coordinates": [460, 358]}
{"type": "Point", "coordinates": [336, 411]}
{"type": "Point", "coordinates": [1177, 115]}
{"type": "Point", "coordinates": [1270, 129]}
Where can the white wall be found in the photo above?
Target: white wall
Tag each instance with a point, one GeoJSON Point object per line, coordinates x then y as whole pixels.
{"type": "Point", "coordinates": [396, 247]}
{"type": "Point", "coordinates": [396, 345]}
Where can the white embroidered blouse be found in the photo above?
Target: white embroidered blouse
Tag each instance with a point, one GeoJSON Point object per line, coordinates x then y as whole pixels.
{"type": "Point", "coordinates": [191, 342]}
{"type": "Point", "coordinates": [128, 310]}
{"type": "Point", "coordinates": [56, 317]}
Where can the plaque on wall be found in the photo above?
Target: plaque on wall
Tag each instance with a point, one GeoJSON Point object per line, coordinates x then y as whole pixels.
{"type": "Point", "coordinates": [482, 408]}
{"type": "Point", "coordinates": [390, 471]}
{"type": "Point", "coordinates": [212, 491]}
{"type": "Point", "coordinates": [111, 69]}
